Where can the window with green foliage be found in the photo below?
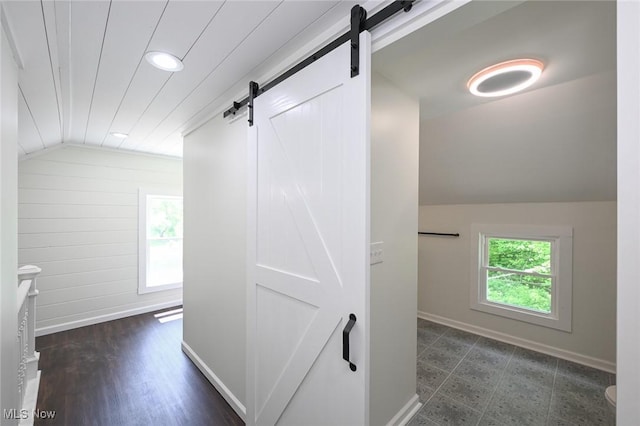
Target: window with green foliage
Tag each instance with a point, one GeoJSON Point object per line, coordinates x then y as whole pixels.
{"type": "Point", "coordinates": [523, 272]}
{"type": "Point", "coordinates": [519, 273]}
{"type": "Point", "coordinates": [161, 223]}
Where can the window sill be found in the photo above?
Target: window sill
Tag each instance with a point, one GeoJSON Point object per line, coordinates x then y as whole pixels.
{"type": "Point", "coordinates": [156, 288]}
{"type": "Point", "coordinates": [524, 315]}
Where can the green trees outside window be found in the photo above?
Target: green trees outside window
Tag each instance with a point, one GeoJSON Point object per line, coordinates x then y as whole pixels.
{"type": "Point", "coordinates": [164, 240]}
{"type": "Point", "coordinates": [519, 273]}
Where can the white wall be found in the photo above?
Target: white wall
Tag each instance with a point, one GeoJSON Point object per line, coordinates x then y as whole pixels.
{"type": "Point", "coordinates": [529, 147]}
{"type": "Point", "coordinates": [78, 221]}
{"type": "Point", "coordinates": [445, 266]}
{"type": "Point", "coordinates": [215, 221]}
{"type": "Point", "coordinates": [628, 379]}
{"type": "Point", "coordinates": [8, 228]}
{"type": "Point", "coordinates": [394, 220]}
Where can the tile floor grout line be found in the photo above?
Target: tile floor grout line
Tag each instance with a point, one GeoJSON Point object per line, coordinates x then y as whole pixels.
{"type": "Point", "coordinates": [553, 388]}
{"type": "Point", "coordinates": [431, 344]}
{"type": "Point", "coordinates": [503, 373]}
{"type": "Point", "coordinates": [449, 375]}
{"type": "Point", "coordinates": [434, 392]}
{"type": "Point", "coordinates": [434, 342]}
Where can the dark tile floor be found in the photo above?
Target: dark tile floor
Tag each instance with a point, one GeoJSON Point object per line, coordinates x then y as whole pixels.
{"type": "Point", "coordinates": [464, 379]}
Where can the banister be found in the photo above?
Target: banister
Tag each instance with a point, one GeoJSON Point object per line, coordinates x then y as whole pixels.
{"type": "Point", "coordinates": [27, 356]}
{"type": "Point", "coordinates": [28, 272]}
{"type": "Point", "coordinates": [23, 292]}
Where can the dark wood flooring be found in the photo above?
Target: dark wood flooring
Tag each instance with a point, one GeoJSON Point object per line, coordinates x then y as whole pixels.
{"type": "Point", "coordinates": [130, 371]}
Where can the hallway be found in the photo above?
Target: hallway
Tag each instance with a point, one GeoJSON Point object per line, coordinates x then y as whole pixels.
{"type": "Point", "coordinates": [132, 372]}
{"type": "Point", "coordinates": [129, 371]}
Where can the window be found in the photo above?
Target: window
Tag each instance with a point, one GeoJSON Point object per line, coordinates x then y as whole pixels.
{"type": "Point", "coordinates": [160, 242]}
{"type": "Point", "coordinates": [523, 272]}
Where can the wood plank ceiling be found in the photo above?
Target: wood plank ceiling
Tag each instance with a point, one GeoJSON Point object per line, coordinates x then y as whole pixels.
{"type": "Point", "coordinates": [83, 73]}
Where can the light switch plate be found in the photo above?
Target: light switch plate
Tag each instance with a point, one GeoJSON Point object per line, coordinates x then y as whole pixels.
{"type": "Point", "coordinates": [377, 252]}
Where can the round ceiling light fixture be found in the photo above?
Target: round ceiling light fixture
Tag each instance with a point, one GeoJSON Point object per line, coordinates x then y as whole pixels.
{"type": "Point", "coordinates": [119, 135]}
{"type": "Point", "coordinates": [505, 78]}
{"type": "Point", "coordinates": [164, 61]}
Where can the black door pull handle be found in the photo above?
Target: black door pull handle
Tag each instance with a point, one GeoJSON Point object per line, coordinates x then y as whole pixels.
{"type": "Point", "coordinates": [345, 341]}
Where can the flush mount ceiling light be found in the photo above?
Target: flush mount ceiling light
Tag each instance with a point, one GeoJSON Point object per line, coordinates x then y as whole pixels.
{"type": "Point", "coordinates": [119, 135]}
{"type": "Point", "coordinates": [505, 78]}
{"type": "Point", "coordinates": [164, 61]}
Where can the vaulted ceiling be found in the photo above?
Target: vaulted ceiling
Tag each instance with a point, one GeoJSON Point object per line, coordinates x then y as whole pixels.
{"type": "Point", "coordinates": [553, 142]}
{"type": "Point", "coordinates": [83, 75]}
{"type": "Point", "coordinates": [575, 39]}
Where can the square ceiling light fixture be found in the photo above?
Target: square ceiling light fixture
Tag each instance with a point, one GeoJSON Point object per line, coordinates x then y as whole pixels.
{"type": "Point", "coordinates": [505, 78]}
{"type": "Point", "coordinates": [164, 61]}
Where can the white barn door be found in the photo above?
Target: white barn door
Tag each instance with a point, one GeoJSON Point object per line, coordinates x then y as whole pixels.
{"type": "Point", "coordinates": [308, 266]}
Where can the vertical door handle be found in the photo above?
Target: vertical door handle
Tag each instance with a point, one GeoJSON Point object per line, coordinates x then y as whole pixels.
{"type": "Point", "coordinates": [345, 341]}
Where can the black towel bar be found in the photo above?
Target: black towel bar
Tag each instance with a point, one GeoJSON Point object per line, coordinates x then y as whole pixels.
{"type": "Point", "coordinates": [439, 234]}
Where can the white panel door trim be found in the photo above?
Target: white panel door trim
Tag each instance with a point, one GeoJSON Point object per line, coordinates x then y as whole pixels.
{"type": "Point", "coordinates": [323, 289]}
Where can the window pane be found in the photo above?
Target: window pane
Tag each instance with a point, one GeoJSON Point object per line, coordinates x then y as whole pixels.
{"type": "Point", "coordinates": [165, 262]}
{"type": "Point", "coordinates": [524, 291]}
{"type": "Point", "coordinates": [164, 217]}
{"type": "Point", "coordinates": [520, 255]}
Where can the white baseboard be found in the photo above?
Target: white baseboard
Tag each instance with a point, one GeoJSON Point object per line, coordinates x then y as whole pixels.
{"type": "Point", "coordinates": [42, 331]}
{"type": "Point", "coordinates": [600, 364]}
{"type": "Point", "coordinates": [234, 402]}
{"type": "Point", "coordinates": [406, 413]}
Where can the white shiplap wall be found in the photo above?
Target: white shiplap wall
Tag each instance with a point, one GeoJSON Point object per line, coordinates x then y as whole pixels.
{"type": "Point", "coordinates": [78, 221]}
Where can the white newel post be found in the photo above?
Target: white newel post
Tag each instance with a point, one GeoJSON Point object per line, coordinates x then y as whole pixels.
{"type": "Point", "coordinates": [28, 374]}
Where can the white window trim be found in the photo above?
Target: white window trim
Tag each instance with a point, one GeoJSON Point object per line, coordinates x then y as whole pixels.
{"type": "Point", "coordinates": [561, 304]}
{"type": "Point", "coordinates": [142, 242]}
